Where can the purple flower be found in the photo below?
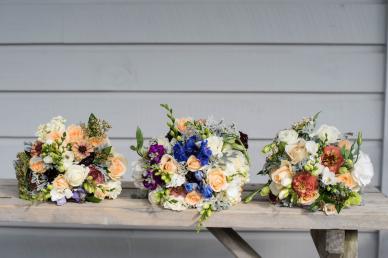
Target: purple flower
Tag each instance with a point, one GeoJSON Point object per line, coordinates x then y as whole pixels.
{"type": "Point", "coordinates": [61, 201]}
{"type": "Point", "coordinates": [155, 153]}
{"type": "Point", "coordinates": [151, 181]}
{"type": "Point", "coordinates": [79, 195]}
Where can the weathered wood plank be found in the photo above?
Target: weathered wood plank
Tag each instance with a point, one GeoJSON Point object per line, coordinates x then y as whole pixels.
{"type": "Point", "coordinates": [193, 68]}
{"type": "Point", "coordinates": [234, 243]}
{"type": "Point", "coordinates": [194, 22]}
{"type": "Point", "coordinates": [131, 212]}
{"type": "Point", "coordinates": [336, 243]}
{"type": "Point", "coordinates": [261, 116]}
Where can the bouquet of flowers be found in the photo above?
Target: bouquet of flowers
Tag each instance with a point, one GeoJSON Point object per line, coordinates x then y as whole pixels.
{"type": "Point", "coordinates": [74, 163]}
{"type": "Point", "coordinates": [315, 169]}
{"type": "Point", "coordinates": [200, 164]}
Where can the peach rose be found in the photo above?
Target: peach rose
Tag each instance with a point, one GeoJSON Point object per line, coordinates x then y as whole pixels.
{"type": "Point", "coordinates": [54, 136]}
{"type": "Point", "coordinates": [193, 198]}
{"type": "Point", "coordinates": [347, 180]}
{"type": "Point", "coordinates": [74, 133]}
{"type": "Point", "coordinates": [217, 179]}
{"type": "Point", "coordinates": [297, 152]}
{"type": "Point", "coordinates": [308, 199]}
{"type": "Point", "coordinates": [345, 143]}
{"type": "Point", "coordinates": [168, 164]}
{"type": "Point", "coordinates": [193, 164]}
{"type": "Point", "coordinates": [181, 124]}
{"type": "Point", "coordinates": [329, 209]}
{"type": "Point", "coordinates": [37, 165]}
{"type": "Point", "coordinates": [60, 183]}
{"type": "Point", "coordinates": [97, 141]}
{"type": "Point", "coordinates": [282, 176]}
{"type": "Point", "coordinates": [117, 167]}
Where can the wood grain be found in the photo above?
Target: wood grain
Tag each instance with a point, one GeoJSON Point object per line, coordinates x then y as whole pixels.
{"type": "Point", "coordinates": [193, 22]}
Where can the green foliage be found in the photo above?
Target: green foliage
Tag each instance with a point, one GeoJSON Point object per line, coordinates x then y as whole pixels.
{"type": "Point", "coordinates": [21, 166]}
{"type": "Point", "coordinates": [96, 127]}
{"type": "Point", "coordinates": [173, 132]}
{"type": "Point", "coordinates": [92, 198]}
{"type": "Point", "coordinates": [103, 155]}
{"type": "Point", "coordinates": [139, 143]}
{"type": "Point", "coordinates": [336, 194]}
{"type": "Point", "coordinates": [235, 142]}
{"type": "Point", "coordinates": [205, 214]}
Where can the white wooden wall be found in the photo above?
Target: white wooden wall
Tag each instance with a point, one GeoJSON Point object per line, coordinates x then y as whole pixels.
{"type": "Point", "coordinates": [262, 64]}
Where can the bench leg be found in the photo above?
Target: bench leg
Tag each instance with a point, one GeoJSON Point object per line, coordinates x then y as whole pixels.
{"type": "Point", "coordinates": [335, 243]}
{"type": "Point", "coordinates": [234, 242]}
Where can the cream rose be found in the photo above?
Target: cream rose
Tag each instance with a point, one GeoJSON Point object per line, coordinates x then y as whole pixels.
{"type": "Point", "coordinates": [288, 136]}
{"type": "Point", "coordinates": [331, 132]}
{"type": "Point", "coordinates": [308, 199]}
{"type": "Point", "coordinates": [74, 133]}
{"type": "Point", "coordinates": [282, 176]}
{"type": "Point", "coordinates": [216, 178]}
{"type": "Point", "coordinates": [215, 144]}
{"type": "Point", "coordinates": [75, 175]}
{"type": "Point", "coordinates": [275, 188]}
{"type": "Point", "coordinates": [113, 189]}
{"type": "Point", "coordinates": [193, 198]}
{"type": "Point", "coordinates": [117, 167]}
{"type": "Point", "coordinates": [363, 170]}
{"type": "Point", "coordinates": [193, 164]}
{"type": "Point", "coordinates": [37, 165]}
{"type": "Point", "coordinates": [168, 164]}
{"type": "Point", "coordinates": [297, 152]}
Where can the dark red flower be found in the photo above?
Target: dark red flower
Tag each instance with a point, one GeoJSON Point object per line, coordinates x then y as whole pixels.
{"type": "Point", "coordinates": [36, 148]}
{"type": "Point", "coordinates": [332, 158]}
{"type": "Point", "coordinates": [97, 175]}
{"type": "Point", "coordinates": [304, 183]}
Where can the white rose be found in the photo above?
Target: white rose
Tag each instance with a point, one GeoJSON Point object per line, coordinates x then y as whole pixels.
{"type": "Point", "coordinates": [113, 189]}
{"type": "Point", "coordinates": [57, 194]}
{"type": "Point", "coordinates": [176, 180]}
{"type": "Point", "coordinates": [76, 174]}
{"type": "Point", "coordinates": [328, 177]}
{"type": "Point", "coordinates": [233, 192]}
{"type": "Point", "coordinates": [235, 161]}
{"type": "Point", "coordinates": [363, 170]}
{"type": "Point", "coordinates": [275, 188]}
{"type": "Point", "coordinates": [288, 136]}
{"type": "Point", "coordinates": [331, 132]}
{"type": "Point", "coordinates": [311, 147]}
{"type": "Point", "coordinates": [215, 144]}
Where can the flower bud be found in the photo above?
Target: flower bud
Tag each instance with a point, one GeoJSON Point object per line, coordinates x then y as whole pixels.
{"type": "Point", "coordinates": [266, 149]}
{"type": "Point", "coordinates": [343, 170]}
{"type": "Point", "coordinates": [284, 194]}
{"type": "Point", "coordinates": [349, 163]}
{"type": "Point", "coordinates": [359, 138]}
{"type": "Point", "coordinates": [50, 187]}
{"type": "Point", "coordinates": [265, 191]}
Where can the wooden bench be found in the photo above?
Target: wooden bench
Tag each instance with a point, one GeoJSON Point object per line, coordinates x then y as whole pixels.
{"type": "Point", "coordinates": [334, 236]}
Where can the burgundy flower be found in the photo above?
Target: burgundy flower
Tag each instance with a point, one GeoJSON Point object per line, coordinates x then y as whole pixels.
{"type": "Point", "coordinates": [244, 139]}
{"type": "Point", "coordinates": [97, 175]}
{"type": "Point", "coordinates": [36, 148]}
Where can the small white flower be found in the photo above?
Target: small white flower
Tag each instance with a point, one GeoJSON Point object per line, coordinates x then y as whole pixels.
{"type": "Point", "coordinates": [215, 144]}
{"type": "Point", "coordinates": [275, 188]}
{"type": "Point", "coordinates": [57, 194]}
{"type": "Point", "coordinates": [312, 147]}
{"type": "Point", "coordinates": [176, 180]}
{"type": "Point", "coordinates": [331, 132]}
{"type": "Point", "coordinates": [288, 136]}
{"type": "Point", "coordinates": [113, 189]}
{"type": "Point", "coordinates": [363, 170]}
{"type": "Point", "coordinates": [48, 160]}
{"type": "Point", "coordinates": [283, 193]}
{"type": "Point", "coordinates": [328, 177]}
{"type": "Point", "coordinates": [166, 144]}
{"type": "Point", "coordinates": [175, 203]}
{"type": "Point", "coordinates": [235, 162]}
{"type": "Point", "coordinates": [68, 159]}
{"type": "Point", "coordinates": [76, 174]}
{"type": "Point", "coordinates": [233, 191]}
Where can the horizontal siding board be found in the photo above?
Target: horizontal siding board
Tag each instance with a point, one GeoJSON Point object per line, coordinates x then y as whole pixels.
{"type": "Point", "coordinates": [260, 115]}
{"type": "Point", "coordinates": [9, 148]}
{"type": "Point", "coordinates": [193, 22]}
{"type": "Point", "coordinates": [192, 68]}
{"type": "Point", "coordinates": [45, 243]}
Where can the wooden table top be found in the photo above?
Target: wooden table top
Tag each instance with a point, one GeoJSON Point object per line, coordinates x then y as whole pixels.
{"type": "Point", "coordinates": [132, 211]}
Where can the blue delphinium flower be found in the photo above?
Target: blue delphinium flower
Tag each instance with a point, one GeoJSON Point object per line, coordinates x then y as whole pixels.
{"type": "Point", "coordinates": [179, 152]}
{"type": "Point", "coordinates": [206, 191]}
{"type": "Point", "coordinates": [189, 187]}
{"type": "Point", "coordinates": [191, 146]}
{"type": "Point", "coordinates": [204, 153]}
{"type": "Point", "coordinates": [198, 175]}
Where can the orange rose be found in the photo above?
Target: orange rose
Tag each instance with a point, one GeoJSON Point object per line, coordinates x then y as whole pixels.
{"type": "Point", "coordinates": [217, 179]}
{"type": "Point", "coordinates": [193, 164]}
{"type": "Point", "coordinates": [345, 143]}
{"type": "Point", "coordinates": [181, 124]}
{"type": "Point", "coordinates": [168, 164]}
{"type": "Point", "coordinates": [117, 167]}
{"type": "Point", "coordinates": [308, 199]}
{"type": "Point", "coordinates": [347, 180]}
{"type": "Point", "coordinates": [74, 133]}
{"type": "Point", "coordinates": [193, 198]}
{"type": "Point", "coordinates": [60, 183]}
{"type": "Point", "coordinates": [37, 165]}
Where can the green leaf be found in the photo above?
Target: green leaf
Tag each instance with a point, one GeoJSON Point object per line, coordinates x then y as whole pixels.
{"type": "Point", "coordinates": [133, 148]}
{"type": "Point", "coordinates": [92, 198]}
{"type": "Point", "coordinates": [139, 138]}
